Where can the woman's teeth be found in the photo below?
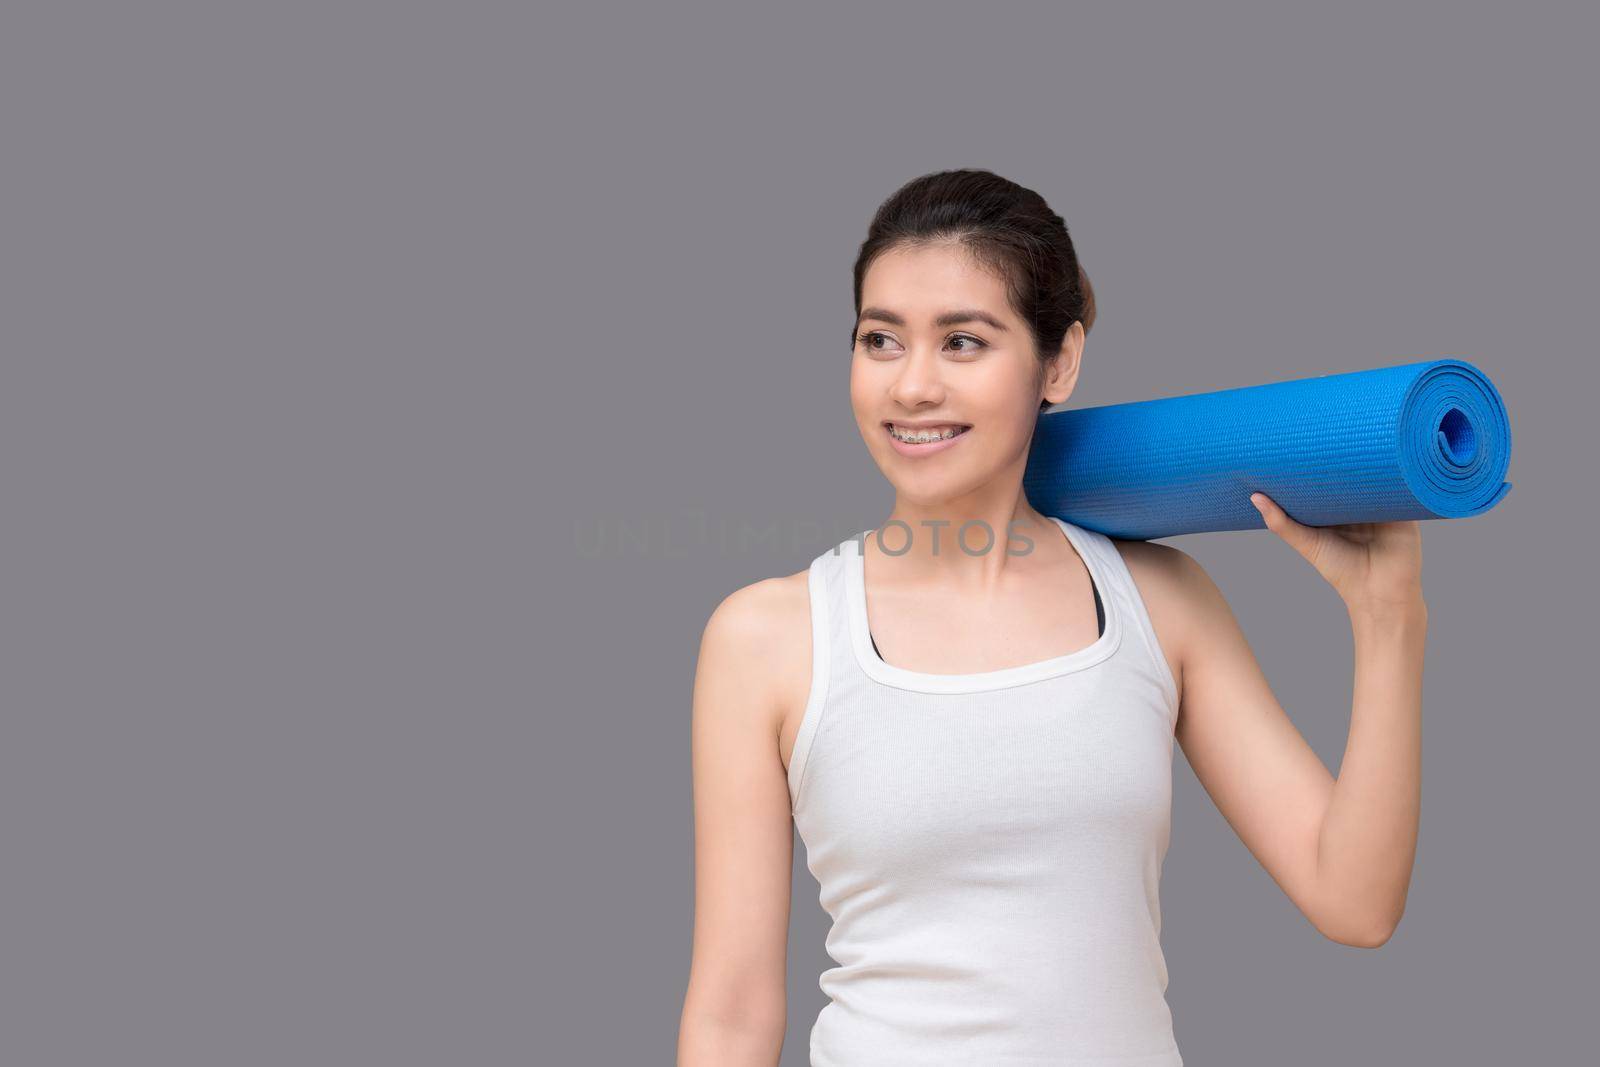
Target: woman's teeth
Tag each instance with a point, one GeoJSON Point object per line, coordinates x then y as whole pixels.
{"type": "Point", "coordinates": [922, 437]}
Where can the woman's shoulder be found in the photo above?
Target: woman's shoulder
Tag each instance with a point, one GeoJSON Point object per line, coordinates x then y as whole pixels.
{"type": "Point", "coordinates": [1168, 575]}
{"type": "Point", "coordinates": [762, 631]}
{"type": "Point", "coordinates": [766, 607]}
{"type": "Point", "coordinates": [1152, 561]}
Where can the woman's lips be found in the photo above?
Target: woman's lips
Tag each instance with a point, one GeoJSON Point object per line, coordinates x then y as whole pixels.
{"type": "Point", "coordinates": [906, 449]}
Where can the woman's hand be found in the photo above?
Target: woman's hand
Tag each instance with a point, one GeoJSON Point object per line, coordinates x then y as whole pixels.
{"type": "Point", "coordinates": [1375, 566]}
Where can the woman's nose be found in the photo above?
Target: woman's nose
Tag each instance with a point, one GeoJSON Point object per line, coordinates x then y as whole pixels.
{"type": "Point", "coordinates": [918, 381]}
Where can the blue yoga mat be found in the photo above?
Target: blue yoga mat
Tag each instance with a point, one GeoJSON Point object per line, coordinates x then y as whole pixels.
{"type": "Point", "coordinates": [1427, 440]}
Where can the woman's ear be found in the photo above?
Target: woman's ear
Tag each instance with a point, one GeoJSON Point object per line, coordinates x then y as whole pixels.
{"type": "Point", "coordinates": [1061, 372]}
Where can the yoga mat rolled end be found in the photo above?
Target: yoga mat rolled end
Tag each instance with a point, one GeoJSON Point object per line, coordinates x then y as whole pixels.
{"type": "Point", "coordinates": [1456, 440]}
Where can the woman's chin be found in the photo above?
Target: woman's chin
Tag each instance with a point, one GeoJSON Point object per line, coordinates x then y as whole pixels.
{"type": "Point", "coordinates": [929, 488]}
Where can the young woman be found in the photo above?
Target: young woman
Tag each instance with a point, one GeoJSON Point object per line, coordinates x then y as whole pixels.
{"type": "Point", "coordinates": [969, 714]}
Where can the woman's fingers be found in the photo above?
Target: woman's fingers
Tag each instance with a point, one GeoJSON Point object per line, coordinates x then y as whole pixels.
{"type": "Point", "coordinates": [1303, 539]}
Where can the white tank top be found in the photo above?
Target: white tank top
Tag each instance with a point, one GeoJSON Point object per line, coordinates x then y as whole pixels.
{"type": "Point", "coordinates": [989, 845]}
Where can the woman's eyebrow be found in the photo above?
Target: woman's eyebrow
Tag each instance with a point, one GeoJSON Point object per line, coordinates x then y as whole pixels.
{"type": "Point", "coordinates": [949, 318]}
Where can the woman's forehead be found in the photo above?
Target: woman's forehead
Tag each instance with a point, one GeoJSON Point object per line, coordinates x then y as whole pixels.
{"type": "Point", "coordinates": [929, 287]}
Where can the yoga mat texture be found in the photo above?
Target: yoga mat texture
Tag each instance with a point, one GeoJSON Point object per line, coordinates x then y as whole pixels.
{"type": "Point", "coordinates": [1427, 440]}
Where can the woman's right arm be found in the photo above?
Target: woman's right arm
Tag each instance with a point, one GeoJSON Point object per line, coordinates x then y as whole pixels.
{"type": "Point", "coordinates": [734, 1012]}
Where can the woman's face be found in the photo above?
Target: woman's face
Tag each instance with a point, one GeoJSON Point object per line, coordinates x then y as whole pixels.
{"type": "Point", "coordinates": [939, 347]}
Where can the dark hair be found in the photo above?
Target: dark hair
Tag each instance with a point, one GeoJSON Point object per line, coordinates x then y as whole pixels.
{"type": "Point", "coordinates": [1009, 229]}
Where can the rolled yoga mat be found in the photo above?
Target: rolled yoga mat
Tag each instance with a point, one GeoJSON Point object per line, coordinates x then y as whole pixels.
{"type": "Point", "coordinates": [1427, 440]}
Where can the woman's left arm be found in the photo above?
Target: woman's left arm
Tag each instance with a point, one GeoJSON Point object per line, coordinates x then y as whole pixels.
{"type": "Point", "coordinates": [1341, 850]}
{"type": "Point", "coordinates": [1368, 839]}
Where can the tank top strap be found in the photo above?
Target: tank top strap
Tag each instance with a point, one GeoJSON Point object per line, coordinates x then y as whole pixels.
{"type": "Point", "coordinates": [1131, 606]}
{"type": "Point", "coordinates": [833, 665]}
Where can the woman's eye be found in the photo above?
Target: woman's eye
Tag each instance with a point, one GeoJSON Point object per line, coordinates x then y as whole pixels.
{"type": "Point", "coordinates": [972, 344]}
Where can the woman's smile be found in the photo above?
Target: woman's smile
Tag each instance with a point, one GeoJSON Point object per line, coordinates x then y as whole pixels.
{"type": "Point", "coordinates": [924, 440]}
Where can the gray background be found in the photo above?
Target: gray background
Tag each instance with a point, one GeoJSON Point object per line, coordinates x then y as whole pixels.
{"type": "Point", "coordinates": [331, 330]}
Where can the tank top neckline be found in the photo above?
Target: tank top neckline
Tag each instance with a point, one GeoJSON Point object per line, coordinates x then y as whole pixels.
{"type": "Point", "coordinates": [921, 681]}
